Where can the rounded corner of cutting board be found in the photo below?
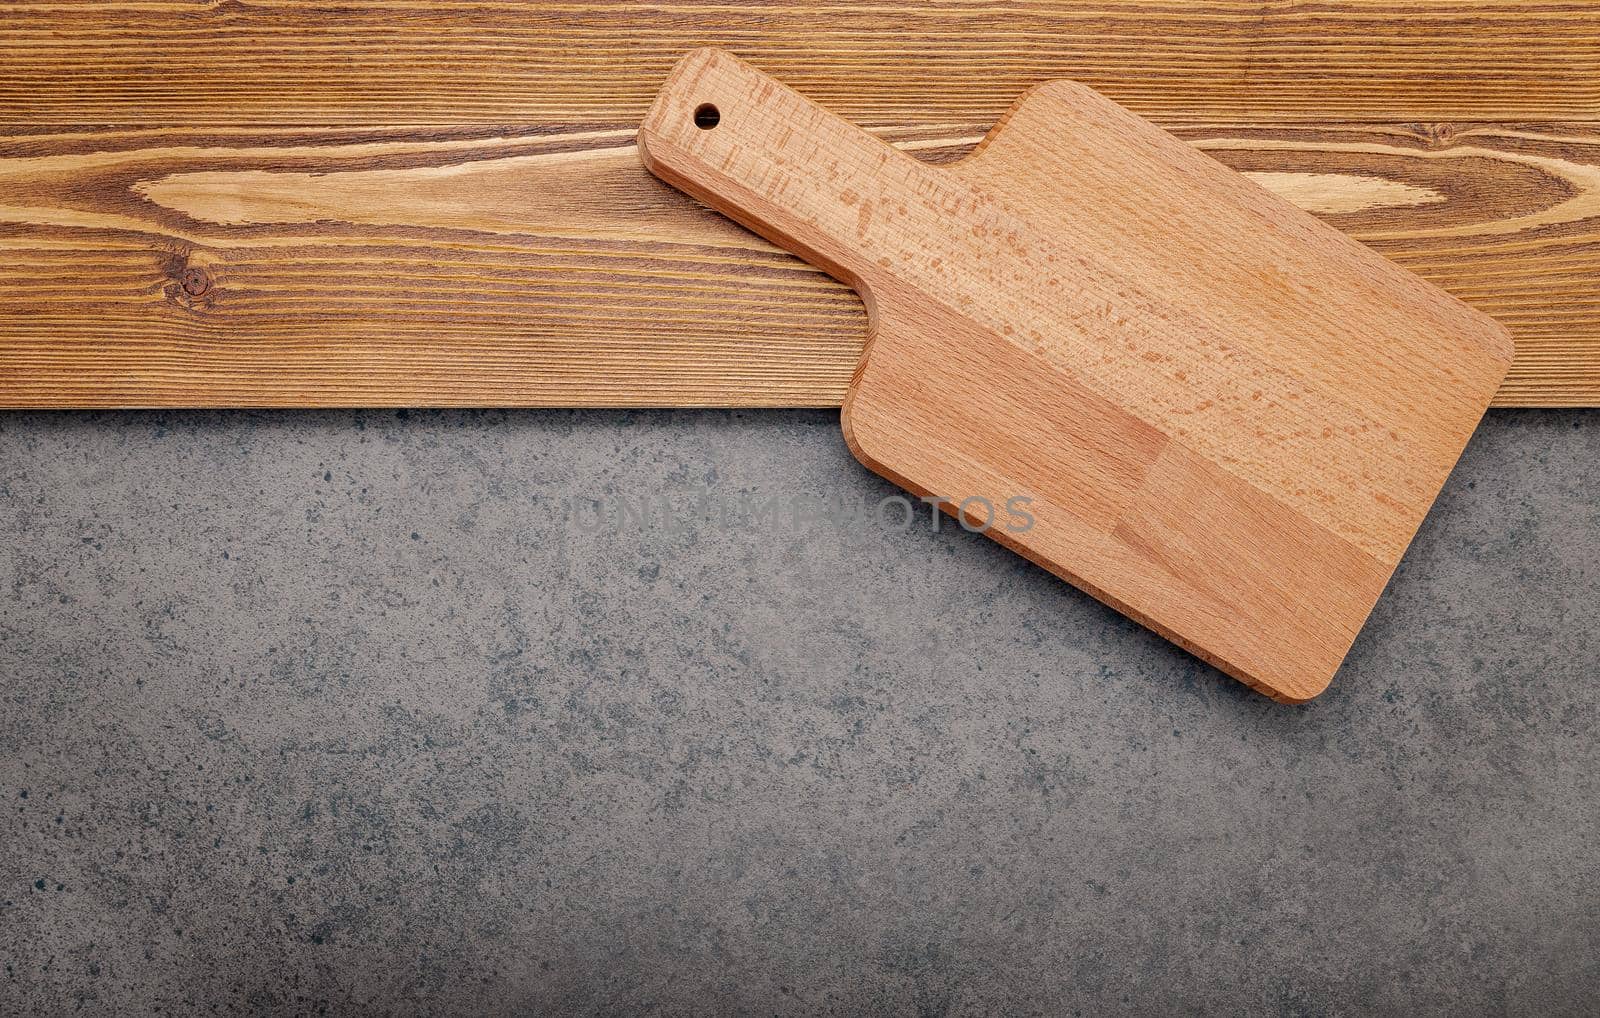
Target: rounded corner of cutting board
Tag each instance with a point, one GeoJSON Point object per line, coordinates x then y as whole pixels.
{"type": "Point", "coordinates": [862, 441]}
{"type": "Point", "coordinates": [1297, 692]}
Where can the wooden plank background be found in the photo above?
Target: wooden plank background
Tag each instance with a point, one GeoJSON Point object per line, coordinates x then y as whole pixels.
{"type": "Point", "coordinates": [436, 202]}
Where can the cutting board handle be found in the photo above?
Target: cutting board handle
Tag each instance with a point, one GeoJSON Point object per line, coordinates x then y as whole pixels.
{"type": "Point", "coordinates": [726, 133]}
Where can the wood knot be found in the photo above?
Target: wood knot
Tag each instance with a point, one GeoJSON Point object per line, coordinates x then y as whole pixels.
{"type": "Point", "coordinates": [1434, 135]}
{"type": "Point", "coordinates": [190, 281]}
{"type": "Point", "coordinates": [194, 281]}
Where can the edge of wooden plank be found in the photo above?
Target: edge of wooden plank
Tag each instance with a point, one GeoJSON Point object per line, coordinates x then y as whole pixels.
{"type": "Point", "coordinates": [497, 61]}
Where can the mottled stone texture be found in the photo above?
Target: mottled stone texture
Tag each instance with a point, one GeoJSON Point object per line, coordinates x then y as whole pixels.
{"type": "Point", "coordinates": [334, 712]}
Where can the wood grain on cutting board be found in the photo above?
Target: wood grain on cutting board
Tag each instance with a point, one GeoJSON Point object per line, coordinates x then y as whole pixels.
{"type": "Point", "coordinates": [1228, 419]}
{"type": "Point", "coordinates": [287, 203]}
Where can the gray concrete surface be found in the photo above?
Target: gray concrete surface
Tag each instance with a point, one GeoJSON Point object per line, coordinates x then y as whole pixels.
{"type": "Point", "coordinates": [335, 712]}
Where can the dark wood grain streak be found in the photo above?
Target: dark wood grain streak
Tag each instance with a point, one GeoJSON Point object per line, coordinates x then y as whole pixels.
{"type": "Point", "coordinates": [482, 265]}
{"type": "Point", "coordinates": [231, 62]}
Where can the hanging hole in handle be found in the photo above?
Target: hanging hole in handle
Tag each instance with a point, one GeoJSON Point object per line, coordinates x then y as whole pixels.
{"type": "Point", "coordinates": [706, 116]}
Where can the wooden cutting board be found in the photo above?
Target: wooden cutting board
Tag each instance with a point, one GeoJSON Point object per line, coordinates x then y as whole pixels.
{"type": "Point", "coordinates": [1224, 418]}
